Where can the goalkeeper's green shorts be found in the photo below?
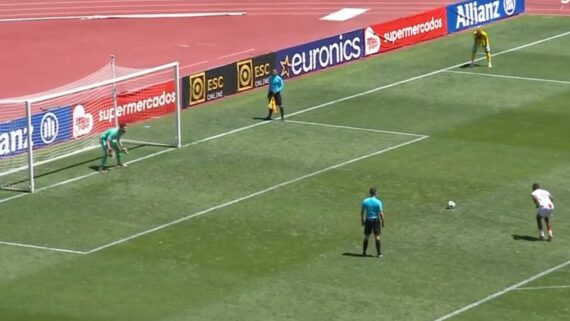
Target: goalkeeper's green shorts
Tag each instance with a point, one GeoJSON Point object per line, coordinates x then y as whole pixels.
{"type": "Point", "coordinates": [114, 145]}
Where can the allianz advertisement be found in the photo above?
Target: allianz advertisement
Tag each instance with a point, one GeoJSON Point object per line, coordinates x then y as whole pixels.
{"type": "Point", "coordinates": [320, 54]}
{"type": "Point", "coordinates": [48, 128]}
{"type": "Point", "coordinates": [468, 14]}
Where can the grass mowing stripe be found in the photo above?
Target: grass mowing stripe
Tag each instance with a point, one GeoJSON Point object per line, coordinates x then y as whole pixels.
{"type": "Point", "coordinates": [237, 200]}
{"type": "Point", "coordinates": [38, 247]}
{"type": "Point", "coordinates": [509, 77]}
{"type": "Point", "coordinates": [429, 74]}
{"type": "Point", "coordinates": [503, 291]}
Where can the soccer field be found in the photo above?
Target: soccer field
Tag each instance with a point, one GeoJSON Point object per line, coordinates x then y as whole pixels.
{"type": "Point", "coordinates": [255, 220]}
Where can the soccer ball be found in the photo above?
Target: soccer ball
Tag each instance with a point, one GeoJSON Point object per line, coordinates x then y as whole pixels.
{"type": "Point", "coordinates": [450, 205]}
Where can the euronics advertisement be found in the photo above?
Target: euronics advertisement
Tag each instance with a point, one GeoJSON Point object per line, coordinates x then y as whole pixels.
{"type": "Point", "coordinates": [468, 14]}
{"type": "Point", "coordinates": [320, 54]}
{"type": "Point", "coordinates": [405, 31]}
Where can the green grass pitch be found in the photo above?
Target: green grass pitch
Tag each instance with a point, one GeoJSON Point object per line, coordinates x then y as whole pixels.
{"type": "Point", "coordinates": [260, 221]}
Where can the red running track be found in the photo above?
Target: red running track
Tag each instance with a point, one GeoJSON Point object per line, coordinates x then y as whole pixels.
{"type": "Point", "coordinates": [40, 55]}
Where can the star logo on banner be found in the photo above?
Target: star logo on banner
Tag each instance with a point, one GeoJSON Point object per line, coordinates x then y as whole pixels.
{"type": "Point", "coordinates": [285, 64]}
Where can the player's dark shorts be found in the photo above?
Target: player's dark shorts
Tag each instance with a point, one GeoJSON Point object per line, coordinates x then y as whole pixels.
{"type": "Point", "coordinates": [277, 96]}
{"type": "Point", "coordinates": [372, 226]}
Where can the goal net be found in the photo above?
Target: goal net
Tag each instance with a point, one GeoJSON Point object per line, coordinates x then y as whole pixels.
{"type": "Point", "coordinates": [49, 127]}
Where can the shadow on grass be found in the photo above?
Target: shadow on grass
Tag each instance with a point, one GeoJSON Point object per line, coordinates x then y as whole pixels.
{"type": "Point", "coordinates": [55, 171]}
{"type": "Point", "coordinates": [355, 254]}
{"type": "Point", "coordinates": [525, 238]}
{"type": "Point", "coordinates": [469, 65]}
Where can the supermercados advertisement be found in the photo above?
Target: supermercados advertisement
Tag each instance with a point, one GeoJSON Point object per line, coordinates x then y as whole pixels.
{"type": "Point", "coordinates": [468, 14]}
{"type": "Point", "coordinates": [405, 31]}
{"type": "Point", "coordinates": [320, 54]}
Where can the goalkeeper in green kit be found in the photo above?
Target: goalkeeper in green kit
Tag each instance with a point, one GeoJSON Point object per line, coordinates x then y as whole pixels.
{"type": "Point", "coordinates": [111, 143]}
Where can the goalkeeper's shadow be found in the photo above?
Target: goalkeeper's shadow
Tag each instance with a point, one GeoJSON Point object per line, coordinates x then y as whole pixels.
{"type": "Point", "coordinates": [64, 168]}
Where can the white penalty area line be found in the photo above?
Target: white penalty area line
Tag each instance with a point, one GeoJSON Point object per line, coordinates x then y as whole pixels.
{"type": "Point", "coordinates": [185, 218]}
{"type": "Point", "coordinates": [544, 287]}
{"type": "Point", "coordinates": [333, 102]}
{"type": "Point", "coordinates": [504, 291]}
{"type": "Point", "coordinates": [269, 189]}
{"type": "Point", "coordinates": [356, 128]}
{"type": "Point", "coordinates": [38, 247]}
{"type": "Point", "coordinates": [509, 77]}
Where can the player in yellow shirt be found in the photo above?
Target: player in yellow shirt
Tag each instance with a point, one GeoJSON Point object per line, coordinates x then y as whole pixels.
{"type": "Point", "coordinates": [481, 39]}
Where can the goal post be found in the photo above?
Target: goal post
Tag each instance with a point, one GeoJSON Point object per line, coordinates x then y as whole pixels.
{"type": "Point", "coordinates": [49, 127]}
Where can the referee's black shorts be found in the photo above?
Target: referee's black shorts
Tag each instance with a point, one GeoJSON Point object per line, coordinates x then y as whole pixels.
{"type": "Point", "coordinates": [277, 96]}
{"type": "Point", "coordinates": [372, 226]}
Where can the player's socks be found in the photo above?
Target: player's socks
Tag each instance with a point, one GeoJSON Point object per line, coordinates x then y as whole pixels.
{"type": "Point", "coordinates": [378, 252]}
{"type": "Point", "coordinates": [364, 247]}
{"type": "Point", "coordinates": [489, 60]}
{"type": "Point", "coordinates": [269, 115]}
{"type": "Point", "coordinates": [282, 112]}
{"type": "Point", "coordinates": [104, 160]}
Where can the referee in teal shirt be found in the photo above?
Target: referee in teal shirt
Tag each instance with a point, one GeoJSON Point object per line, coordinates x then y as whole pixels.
{"type": "Point", "coordinates": [372, 207]}
{"type": "Point", "coordinates": [276, 85]}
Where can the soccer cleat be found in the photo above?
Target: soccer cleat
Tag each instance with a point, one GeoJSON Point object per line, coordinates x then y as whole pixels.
{"type": "Point", "coordinates": [123, 165]}
{"type": "Point", "coordinates": [363, 253]}
{"type": "Point", "coordinates": [490, 65]}
{"type": "Point", "coordinates": [380, 255]}
{"type": "Point", "coordinates": [541, 237]}
{"type": "Point", "coordinates": [103, 170]}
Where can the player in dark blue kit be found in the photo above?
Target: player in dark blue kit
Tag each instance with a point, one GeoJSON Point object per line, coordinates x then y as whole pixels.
{"type": "Point", "coordinates": [372, 221]}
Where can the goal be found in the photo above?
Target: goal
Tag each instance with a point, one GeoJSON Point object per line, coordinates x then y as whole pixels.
{"type": "Point", "coordinates": [48, 127]}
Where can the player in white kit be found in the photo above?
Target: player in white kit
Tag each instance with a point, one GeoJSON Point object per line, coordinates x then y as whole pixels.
{"type": "Point", "coordinates": [544, 203]}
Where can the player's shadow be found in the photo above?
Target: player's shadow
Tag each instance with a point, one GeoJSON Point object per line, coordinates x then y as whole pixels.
{"type": "Point", "coordinates": [525, 238]}
{"type": "Point", "coordinates": [355, 254]}
{"type": "Point", "coordinates": [469, 65]}
{"type": "Point", "coordinates": [260, 118]}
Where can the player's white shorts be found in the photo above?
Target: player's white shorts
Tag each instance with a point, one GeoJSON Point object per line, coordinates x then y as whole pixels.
{"type": "Point", "coordinates": [545, 212]}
